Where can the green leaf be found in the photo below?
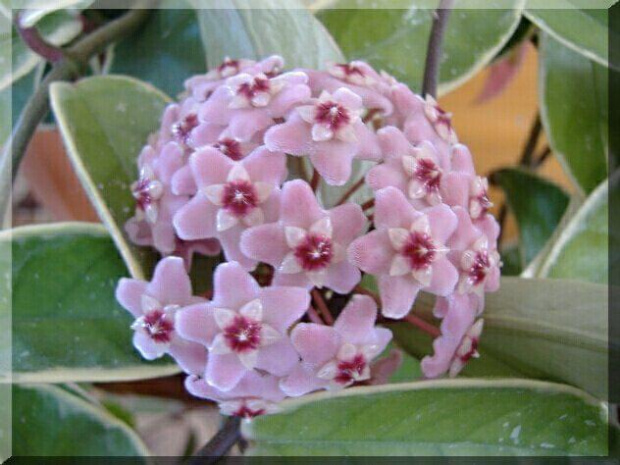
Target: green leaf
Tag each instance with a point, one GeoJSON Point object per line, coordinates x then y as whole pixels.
{"type": "Point", "coordinates": [46, 420]}
{"type": "Point", "coordinates": [67, 325]}
{"type": "Point", "coordinates": [537, 204]}
{"type": "Point", "coordinates": [511, 260]}
{"type": "Point", "coordinates": [583, 30]}
{"type": "Point", "coordinates": [263, 28]}
{"type": "Point", "coordinates": [165, 51]}
{"type": "Point", "coordinates": [573, 96]}
{"type": "Point", "coordinates": [543, 328]}
{"type": "Point", "coordinates": [35, 10]}
{"type": "Point", "coordinates": [396, 39]}
{"type": "Point", "coordinates": [581, 251]}
{"type": "Point", "coordinates": [429, 418]}
{"type": "Point", "coordinates": [57, 28]}
{"type": "Point", "coordinates": [105, 121]}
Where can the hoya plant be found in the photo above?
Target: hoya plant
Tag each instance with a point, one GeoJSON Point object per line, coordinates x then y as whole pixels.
{"type": "Point", "coordinates": [295, 247]}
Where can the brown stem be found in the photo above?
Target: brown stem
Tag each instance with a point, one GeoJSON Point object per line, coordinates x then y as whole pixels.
{"type": "Point", "coordinates": [322, 307]}
{"type": "Point", "coordinates": [220, 444]}
{"type": "Point", "coordinates": [314, 316]}
{"type": "Point", "coordinates": [423, 325]}
{"type": "Point", "coordinates": [314, 182]}
{"type": "Point", "coordinates": [433, 54]}
{"type": "Point", "coordinates": [368, 205]}
{"type": "Point", "coordinates": [351, 191]}
{"type": "Point", "coordinates": [361, 290]}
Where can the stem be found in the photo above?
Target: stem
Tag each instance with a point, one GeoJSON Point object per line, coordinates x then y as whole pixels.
{"type": "Point", "coordinates": [314, 316]}
{"type": "Point", "coordinates": [38, 106]}
{"type": "Point", "coordinates": [351, 191]}
{"type": "Point", "coordinates": [36, 43]}
{"type": "Point", "coordinates": [542, 157]}
{"type": "Point", "coordinates": [368, 205]}
{"type": "Point", "coordinates": [220, 444]}
{"type": "Point", "coordinates": [361, 290]}
{"type": "Point", "coordinates": [423, 325]}
{"type": "Point", "coordinates": [322, 306]}
{"type": "Point", "coordinates": [528, 150]}
{"type": "Point", "coordinates": [314, 182]}
{"type": "Point", "coordinates": [433, 54]}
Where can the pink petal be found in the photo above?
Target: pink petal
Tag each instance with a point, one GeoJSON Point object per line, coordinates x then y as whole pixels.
{"type": "Point", "coordinates": [171, 284]}
{"type": "Point", "coordinates": [342, 277]}
{"type": "Point", "coordinates": [196, 323]}
{"type": "Point", "coordinates": [129, 294]}
{"type": "Point", "coordinates": [283, 101]}
{"type": "Point", "coordinates": [148, 348]}
{"type": "Point", "coordinates": [333, 161]}
{"type": "Point", "coordinates": [245, 123]}
{"type": "Point", "coordinates": [372, 253]}
{"type": "Point", "coordinates": [292, 279]}
{"type": "Point", "coordinates": [278, 358]}
{"type": "Point", "coordinates": [315, 344]}
{"type": "Point", "coordinates": [348, 222]}
{"type": "Point", "coordinates": [299, 206]}
{"type": "Point", "coordinates": [183, 182]}
{"type": "Point", "coordinates": [265, 166]}
{"type": "Point", "coordinates": [493, 280]}
{"type": "Point", "coordinates": [206, 134]}
{"type": "Point", "coordinates": [230, 241]}
{"type": "Point", "coordinates": [191, 357]}
{"type": "Point", "coordinates": [356, 323]}
{"type": "Point", "coordinates": [210, 166]}
{"type": "Point", "coordinates": [398, 294]}
{"type": "Point", "coordinates": [385, 175]}
{"type": "Point", "coordinates": [443, 222]}
{"type": "Point", "coordinates": [437, 364]}
{"type": "Point", "coordinates": [265, 243]}
{"type": "Point", "coordinates": [462, 159]}
{"type": "Point", "coordinates": [444, 279]}
{"type": "Point", "coordinates": [455, 189]}
{"type": "Point", "coordinates": [224, 371]}
{"type": "Point", "coordinates": [282, 306]}
{"type": "Point", "coordinates": [393, 143]}
{"type": "Point", "coordinates": [215, 110]}
{"type": "Point", "coordinates": [466, 233]}
{"type": "Point", "coordinates": [233, 286]}
{"type": "Point", "coordinates": [348, 98]}
{"type": "Point", "coordinates": [292, 137]}
{"type": "Point", "coordinates": [489, 227]}
{"type": "Point", "coordinates": [392, 209]}
{"type": "Point", "coordinates": [196, 220]}
{"type": "Point", "coordinates": [369, 148]}
{"type": "Point", "coordinates": [301, 381]}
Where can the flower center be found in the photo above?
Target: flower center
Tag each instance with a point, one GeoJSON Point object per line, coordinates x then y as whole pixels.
{"type": "Point", "coordinates": [228, 68]}
{"type": "Point", "coordinates": [428, 173]}
{"type": "Point", "coordinates": [473, 350]}
{"type": "Point", "coordinates": [157, 326]}
{"type": "Point", "coordinates": [420, 250]}
{"type": "Point", "coordinates": [254, 87]}
{"type": "Point", "coordinates": [183, 129]}
{"type": "Point", "coordinates": [480, 268]}
{"type": "Point", "coordinates": [243, 334]}
{"type": "Point", "coordinates": [332, 115]}
{"type": "Point", "coordinates": [315, 252]}
{"type": "Point", "coordinates": [479, 203]}
{"type": "Point", "coordinates": [146, 191]}
{"type": "Point", "coordinates": [239, 197]}
{"type": "Point", "coordinates": [230, 147]}
{"type": "Point", "coordinates": [246, 412]}
{"type": "Point", "coordinates": [349, 371]}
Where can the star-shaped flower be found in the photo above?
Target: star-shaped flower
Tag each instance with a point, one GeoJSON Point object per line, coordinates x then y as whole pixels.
{"type": "Point", "coordinates": [330, 131]}
{"type": "Point", "coordinates": [154, 305]}
{"type": "Point", "coordinates": [336, 357]}
{"type": "Point", "coordinates": [231, 196]}
{"type": "Point", "coordinates": [407, 251]}
{"type": "Point", "coordinates": [244, 326]}
{"type": "Point", "coordinates": [307, 246]}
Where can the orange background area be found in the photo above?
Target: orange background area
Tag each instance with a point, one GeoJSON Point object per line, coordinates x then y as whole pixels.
{"type": "Point", "coordinates": [495, 131]}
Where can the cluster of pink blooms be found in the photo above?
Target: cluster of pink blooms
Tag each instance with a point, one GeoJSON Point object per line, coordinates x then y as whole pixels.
{"type": "Point", "coordinates": [214, 179]}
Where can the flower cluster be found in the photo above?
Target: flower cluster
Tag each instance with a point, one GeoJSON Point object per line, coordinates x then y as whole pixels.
{"type": "Point", "coordinates": [214, 179]}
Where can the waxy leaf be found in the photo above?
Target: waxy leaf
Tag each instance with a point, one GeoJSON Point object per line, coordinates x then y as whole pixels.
{"type": "Point", "coordinates": [537, 204]}
{"type": "Point", "coordinates": [35, 10]}
{"type": "Point", "coordinates": [575, 120]}
{"type": "Point", "coordinates": [50, 421]}
{"type": "Point", "coordinates": [262, 28]}
{"type": "Point", "coordinates": [428, 418]}
{"type": "Point", "coordinates": [581, 251]}
{"type": "Point", "coordinates": [104, 122]}
{"type": "Point", "coordinates": [543, 328]}
{"type": "Point", "coordinates": [67, 325]}
{"type": "Point", "coordinates": [584, 30]}
{"type": "Point", "coordinates": [396, 39]}
{"type": "Point", "coordinates": [165, 51]}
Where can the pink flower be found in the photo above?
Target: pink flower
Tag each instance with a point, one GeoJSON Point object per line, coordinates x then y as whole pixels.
{"type": "Point", "coordinates": [328, 130]}
{"type": "Point", "coordinates": [154, 305]}
{"type": "Point", "coordinates": [407, 251]}
{"type": "Point", "coordinates": [456, 345]}
{"type": "Point", "coordinates": [248, 103]}
{"type": "Point", "coordinates": [357, 76]}
{"type": "Point", "coordinates": [307, 246]}
{"type": "Point", "coordinates": [202, 86]}
{"type": "Point", "coordinates": [336, 357]}
{"type": "Point", "coordinates": [244, 327]}
{"type": "Point", "coordinates": [231, 196]}
{"type": "Point", "coordinates": [256, 394]}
